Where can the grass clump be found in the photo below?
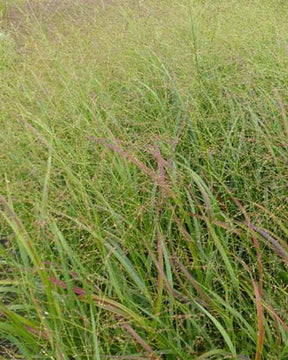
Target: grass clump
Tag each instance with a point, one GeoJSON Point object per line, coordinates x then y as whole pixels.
{"type": "Point", "coordinates": [144, 168]}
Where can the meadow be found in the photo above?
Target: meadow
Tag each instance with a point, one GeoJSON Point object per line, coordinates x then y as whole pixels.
{"type": "Point", "coordinates": [144, 179]}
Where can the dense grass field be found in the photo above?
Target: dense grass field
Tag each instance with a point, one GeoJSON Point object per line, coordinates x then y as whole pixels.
{"type": "Point", "coordinates": [144, 179]}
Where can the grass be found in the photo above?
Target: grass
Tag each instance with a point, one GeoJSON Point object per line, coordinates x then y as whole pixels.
{"type": "Point", "coordinates": [144, 167]}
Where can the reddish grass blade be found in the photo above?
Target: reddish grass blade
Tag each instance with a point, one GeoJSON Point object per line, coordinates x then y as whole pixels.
{"type": "Point", "coordinates": [160, 263]}
{"type": "Point", "coordinates": [140, 341]}
{"type": "Point", "coordinates": [106, 303]}
{"type": "Point", "coordinates": [45, 336]}
{"type": "Point", "coordinates": [151, 173]}
{"type": "Point", "coordinates": [260, 314]}
{"type": "Point", "coordinates": [277, 247]}
{"type": "Point", "coordinates": [161, 274]}
{"type": "Point", "coordinates": [39, 333]}
{"type": "Point", "coordinates": [277, 317]}
{"type": "Point", "coordinates": [63, 285]}
{"type": "Point", "coordinates": [255, 242]}
{"type": "Point", "coordinates": [161, 162]}
{"type": "Point", "coordinates": [114, 307]}
{"type": "Point", "coordinates": [201, 293]}
{"type": "Point", "coordinates": [35, 132]}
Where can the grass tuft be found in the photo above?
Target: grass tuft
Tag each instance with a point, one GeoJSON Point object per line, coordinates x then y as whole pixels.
{"type": "Point", "coordinates": [144, 166]}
